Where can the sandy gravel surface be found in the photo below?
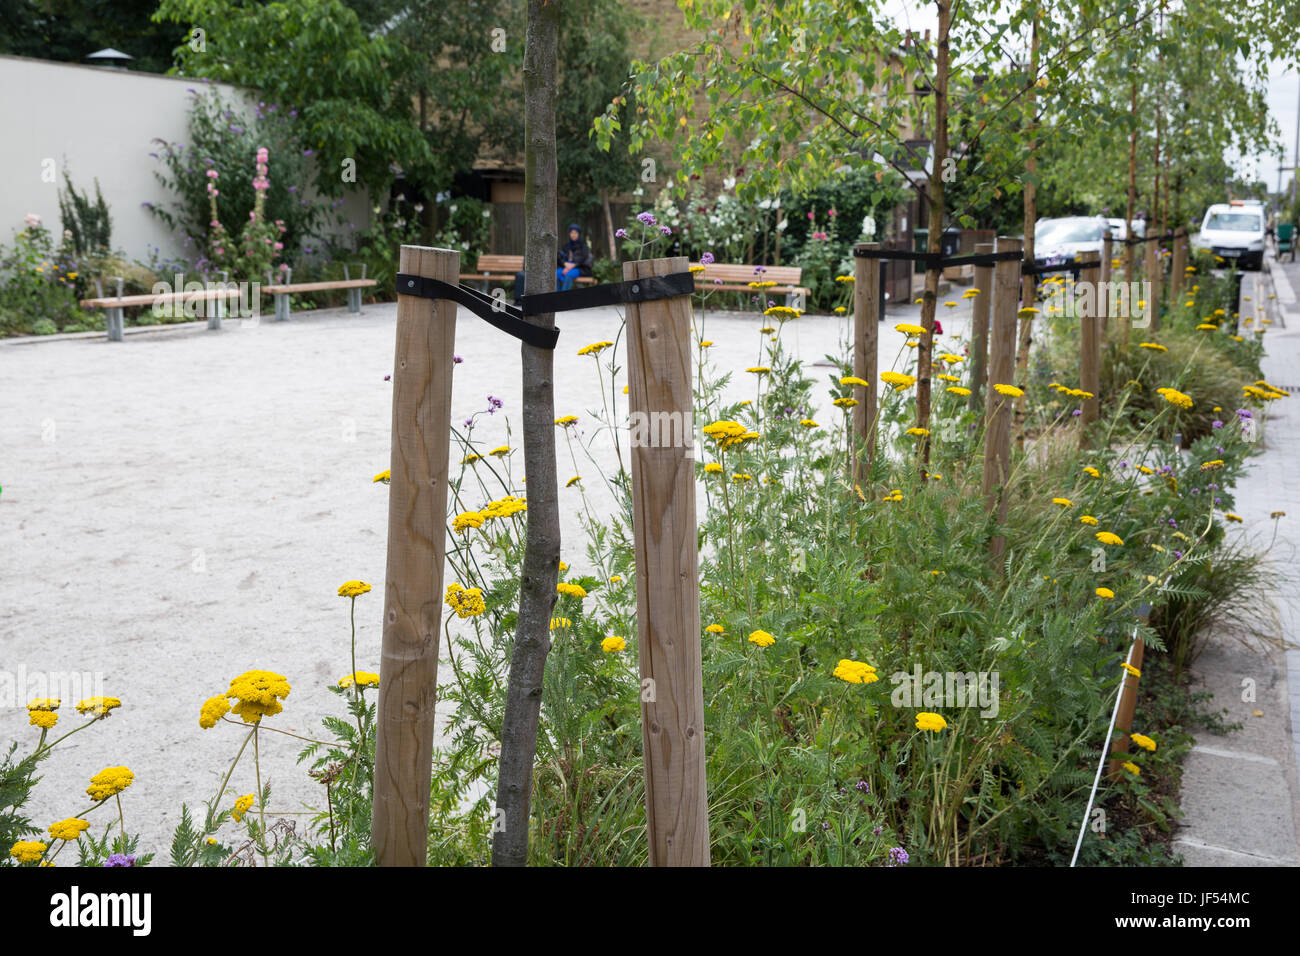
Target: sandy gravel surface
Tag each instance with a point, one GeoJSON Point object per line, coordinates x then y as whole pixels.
{"type": "Point", "coordinates": [182, 506]}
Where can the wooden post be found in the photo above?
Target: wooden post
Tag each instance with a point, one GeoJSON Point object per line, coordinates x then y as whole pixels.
{"type": "Point", "coordinates": [980, 327]}
{"type": "Point", "coordinates": [1178, 266]}
{"type": "Point", "coordinates": [1002, 368]}
{"type": "Point", "coordinates": [1105, 278]}
{"type": "Point", "coordinates": [1153, 275]}
{"type": "Point", "coordinates": [868, 307]}
{"type": "Point", "coordinates": [1127, 702]}
{"type": "Point", "coordinates": [1090, 346]}
{"type": "Point", "coordinates": [667, 566]}
{"type": "Point", "coordinates": [417, 533]}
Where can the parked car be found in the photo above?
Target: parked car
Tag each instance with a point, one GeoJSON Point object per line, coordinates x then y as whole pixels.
{"type": "Point", "coordinates": [1119, 228]}
{"type": "Point", "coordinates": [1234, 231]}
{"type": "Point", "coordinates": [1060, 241]}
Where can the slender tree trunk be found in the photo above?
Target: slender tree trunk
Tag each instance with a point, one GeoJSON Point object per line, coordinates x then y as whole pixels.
{"type": "Point", "coordinates": [542, 549]}
{"type": "Point", "coordinates": [1029, 283]}
{"type": "Point", "coordinates": [926, 346]}
{"type": "Point", "coordinates": [609, 225]}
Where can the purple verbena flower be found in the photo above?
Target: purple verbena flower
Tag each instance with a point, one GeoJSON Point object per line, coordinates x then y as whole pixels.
{"type": "Point", "coordinates": [667, 231]}
{"type": "Point", "coordinates": [646, 218]}
{"type": "Point", "coordinates": [862, 786]}
{"type": "Point", "coordinates": [620, 233]}
{"type": "Point", "coordinates": [120, 859]}
{"type": "Point", "coordinates": [1178, 554]}
{"type": "Point", "coordinates": [1077, 411]}
{"type": "Point", "coordinates": [706, 259]}
{"type": "Point", "coordinates": [1216, 424]}
{"type": "Point", "coordinates": [457, 359]}
{"type": "Point", "coordinates": [898, 856]}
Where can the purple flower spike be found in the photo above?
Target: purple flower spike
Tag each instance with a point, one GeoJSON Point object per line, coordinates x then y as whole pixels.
{"type": "Point", "coordinates": [666, 230]}
{"type": "Point", "coordinates": [898, 856]}
{"type": "Point", "coordinates": [1077, 411]}
{"type": "Point", "coordinates": [1178, 554]}
{"type": "Point", "coordinates": [1216, 424]}
{"type": "Point", "coordinates": [120, 859]}
{"type": "Point", "coordinates": [620, 233]}
{"type": "Point", "coordinates": [646, 218]}
{"type": "Point", "coordinates": [706, 259]}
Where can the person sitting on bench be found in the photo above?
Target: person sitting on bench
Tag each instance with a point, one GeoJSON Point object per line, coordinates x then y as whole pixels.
{"type": "Point", "coordinates": [573, 259]}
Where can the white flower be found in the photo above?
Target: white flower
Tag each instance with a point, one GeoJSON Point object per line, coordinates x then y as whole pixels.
{"type": "Point", "coordinates": [419, 207]}
{"type": "Point", "coordinates": [442, 197]}
{"type": "Point", "coordinates": [451, 208]}
{"type": "Point", "coordinates": [780, 226]}
{"type": "Point", "coordinates": [868, 226]}
{"type": "Point", "coordinates": [464, 245]}
{"type": "Point", "coordinates": [729, 183]}
{"type": "Point", "coordinates": [765, 204]}
{"type": "Point", "coordinates": [487, 213]}
{"type": "Point", "coordinates": [32, 219]}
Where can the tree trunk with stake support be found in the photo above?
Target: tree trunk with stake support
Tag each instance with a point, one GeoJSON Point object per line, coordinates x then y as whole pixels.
{"type": "Point", "coordinates": [541, 568]}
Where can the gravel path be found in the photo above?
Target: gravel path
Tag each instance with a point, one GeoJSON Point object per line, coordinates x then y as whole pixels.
{"type": "Point", "coordinates": [182, 506]}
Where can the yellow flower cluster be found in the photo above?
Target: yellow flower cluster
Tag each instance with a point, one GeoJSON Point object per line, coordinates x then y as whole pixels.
{"type": "Point", "coordinates": [958, 390]}
{"type": "Point", "coordinates": [242, 806]}
{"type": "Point", "coordinates": [363, 679]}
{"type": "Point", "coordinates": [1105, 593]}
{"type": "Point", "coordinates": [854, 380]}
{"type": "Point", "coordinates": [68, 829]}
{"type": "Point", "coordinates": [1072, 392]}
{"type": "Point", "coordinates": [715, 629]}
{"type": "Point", "coordinates": [918, 431]}
{"type": "Point", "coordinates": [1214, 465]}
{"type": "Point", "coordinates": [1009, 390]}
{"type": "Point", "coordinates": [782, 312]}
{"type": "Point", "coordinates": [98, 706]}
{"type": "Point", "coordinates": [1132, 768]}
{"type": "Point", "coordinates": [1063, 502]}
{"type": "Point", "coordinates": [595, 348]}
{"type": "Point", "coordinates": [910, 328]}
{"type": "Point", "coordinates": [900, 380]}
{"type": "Point", "coordinates": [1091, 471]}
{"type": "Point", "coordinates": [1143, 741]}
{"type": "Point", "coordinates": [855, 672]}
{"type": "Point", "coordinates": [759, 369]}
{"type": "Point", "coordinates": [1175, 397]}
{"type": "Point", "coordinates": [761, 638]}
{"type": "Point", "coordinates": [808, 423]}
{"type": "Point", "coordinates": [1153, 346]}
{"type": "Point", "coordinates": [560, 622]}
{"type": "Point", "coordinates": [844, 402]}
{"type": "Point", "coordinates": [713, 468]}
{"type": "Point", "coordinates": [895, 495]}
{"type": "Point", "coordinates": [213, 709]}
{"type": "Point", "coordinates": [1108, 537]}
{"type": "Point", "coordinates": [504, 507]}
{"type": "Point", "coordinates": [613, 644]}
{"type": "Point", "coordinates": [952, 359]}
{"type": "Point", "coordinates": [466, 602]}
{"type": "Point", "coordinates": [1088, 519]}
{"type": "Point", "coordinates": [353, 589]}
{"type": "Point", "coordinates": [566, 421]}
{"type": "Point", "coordinates": [1232, 517]}
{"type": "Point", "coordinates": [931, 722]}
{"type": "Point", "coordinates": [257, 694]}
{"type": "Point", "coordinates": [385, 476]}
{"type": "Point", "coordinates": [844, 279]}
{"type": "Point", "coordinates": [571, 590]}
{"type": "Point", "coordinates": [466, 520]}
{"type": "Point", "coordinates": [27, 851]}
{"type": "Point", "coordinates": [109, 782]}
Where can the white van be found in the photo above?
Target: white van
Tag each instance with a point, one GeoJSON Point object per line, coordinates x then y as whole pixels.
{"type": "Point", "coordinates": [1235, 231]}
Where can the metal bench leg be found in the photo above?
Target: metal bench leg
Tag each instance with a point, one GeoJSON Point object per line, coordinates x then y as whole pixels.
{"type": "Point", "coordinates": [215, 308]}
{"type": "Point", "coordinates": [114, 325]}
{"type": "Point", "coordinates": [282, 307]}
{"type": "Point", "coordinates": [354, 300]}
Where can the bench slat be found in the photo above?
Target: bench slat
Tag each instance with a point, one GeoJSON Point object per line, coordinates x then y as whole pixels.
{"type": "Point", "coordinates": [319, 286]}
{"type": "Point", "coordinates": [160, 299]}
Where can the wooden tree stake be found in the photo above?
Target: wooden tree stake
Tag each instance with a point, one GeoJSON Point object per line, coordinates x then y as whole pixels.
{"type": "Point", "coordinates": [1002, 367]}
{"type": "Point", "coordinates": [417, 532]}
{"type": "Point", "coordinates": [867, 309]}
{"type": "Point", "coordinates": [1090, 345]}
{"type": "Point", "coordinates": [980, 328]}
{"type": "Point", "coordinates": [667, 570]}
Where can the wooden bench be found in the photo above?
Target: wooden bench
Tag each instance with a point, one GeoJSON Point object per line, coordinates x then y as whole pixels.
{"type": "Point", "coordinates": [737, 278]}
{"type": "Point", "coordinates": [494, 268]}
{"type": "Point", "coordinates": [282, 290]}
{"type": "Point", "coordinates": [218, 292]}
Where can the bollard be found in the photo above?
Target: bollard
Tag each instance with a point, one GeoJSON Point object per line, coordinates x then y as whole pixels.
{"type": "Point", "coordinates": [1090, 347]}
{"type": "Point", "coordinates": [1128, 699]}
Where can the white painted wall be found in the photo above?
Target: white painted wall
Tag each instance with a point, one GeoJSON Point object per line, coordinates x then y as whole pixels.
{"type": "Point", "coordinates": [101, 122]}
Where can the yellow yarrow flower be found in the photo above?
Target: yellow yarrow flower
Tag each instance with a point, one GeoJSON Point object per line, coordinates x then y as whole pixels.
{"type": "Point", "coordinates": [466, 602]}
{"type": "Point", "coordinates": [613, 644]}
{"type": "Point", "coordinates": [466, 520]}
{"type": "Point", "coordinates": [808, 423]}
{"type": "Point", "coordinates": [900, 380]}
{"type": "Point", "coordinates": [68, 829]}
{"type": "Point", "coordinates": [573, 481]}
{"type": "Point", "coordinates": [1089, 470]}
{"type": "Point", "coordinates": [558, 623]}
{"type": "Point", "coordinates": [1105, 593]}
{"type": "Point", "coordinates": [715, 629]}
{"type": "Point", "coordinates": [385, 476]}
{"type": "Point", "coordinates": [213, 709]}
{"type": "Point", "coordinates": [1088, 519]}
{"type": "Point", "coordinates": [761, 638]}
{"type": "Point", "coordinates": [257, 695]}
{"type": "Point", "coordinates": [919, 432]}
{"type": "Point", "coordinates": [98, 706]}
{"type": "Point", "coordinates": [1009, 390]}
{"type": "Point", "coordinates": [1107, 537]}
{"type": "Point", "coordinates": [27, 851]}
{"type": "Point", "coordinates": [854, 380]}
{"type": "Point", "coordinates": [44, 719]}
{"type": "Point", "coordinates": [571, 590]}
{"type": "Point", "coordinates": [353, 589]}
{"type": "Point", "coordinates": [1175, 397]}
{"type": "Point", "coordinates": [845, 402]}
{"type": "Point", "coordinates": [958, 390]}
{"type": "Point", "coordinates": [362, 679]}
{"type": "Point", "coordinates": [242, 806]}
{"type": "Point", "coordinates": [1143, 741]}
{"type": "Point", "coordinates": [1063, 502]}
{"type": "Point", "coordinates": [931, 722]}
{"type": "Point", "coordinates": [759, 369]}
{"type": "Point", "coordinates": [595, 348]}
{"type": "Point", "coordinates": [1232, 517]}
{"type": "Point", "coordinates": [855, 672]}
{"type": "Point", "coordinates": [1132, 768]}
{"type": "Point", "coordinates": [713, 468]}
{"type": "Point", "coordinates": [566, 420]}
{"type": "Point", "coordinates": [1153, 346]}
{"type": "Point", "coordinates": [109, 782]}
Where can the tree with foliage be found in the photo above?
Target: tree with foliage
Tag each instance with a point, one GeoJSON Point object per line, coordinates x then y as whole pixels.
{"type": "Point", "coordinates": [313, 57]}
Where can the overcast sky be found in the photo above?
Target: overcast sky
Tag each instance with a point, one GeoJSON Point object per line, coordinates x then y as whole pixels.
{"type": "Point", "coordinates": [1283, 96]}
